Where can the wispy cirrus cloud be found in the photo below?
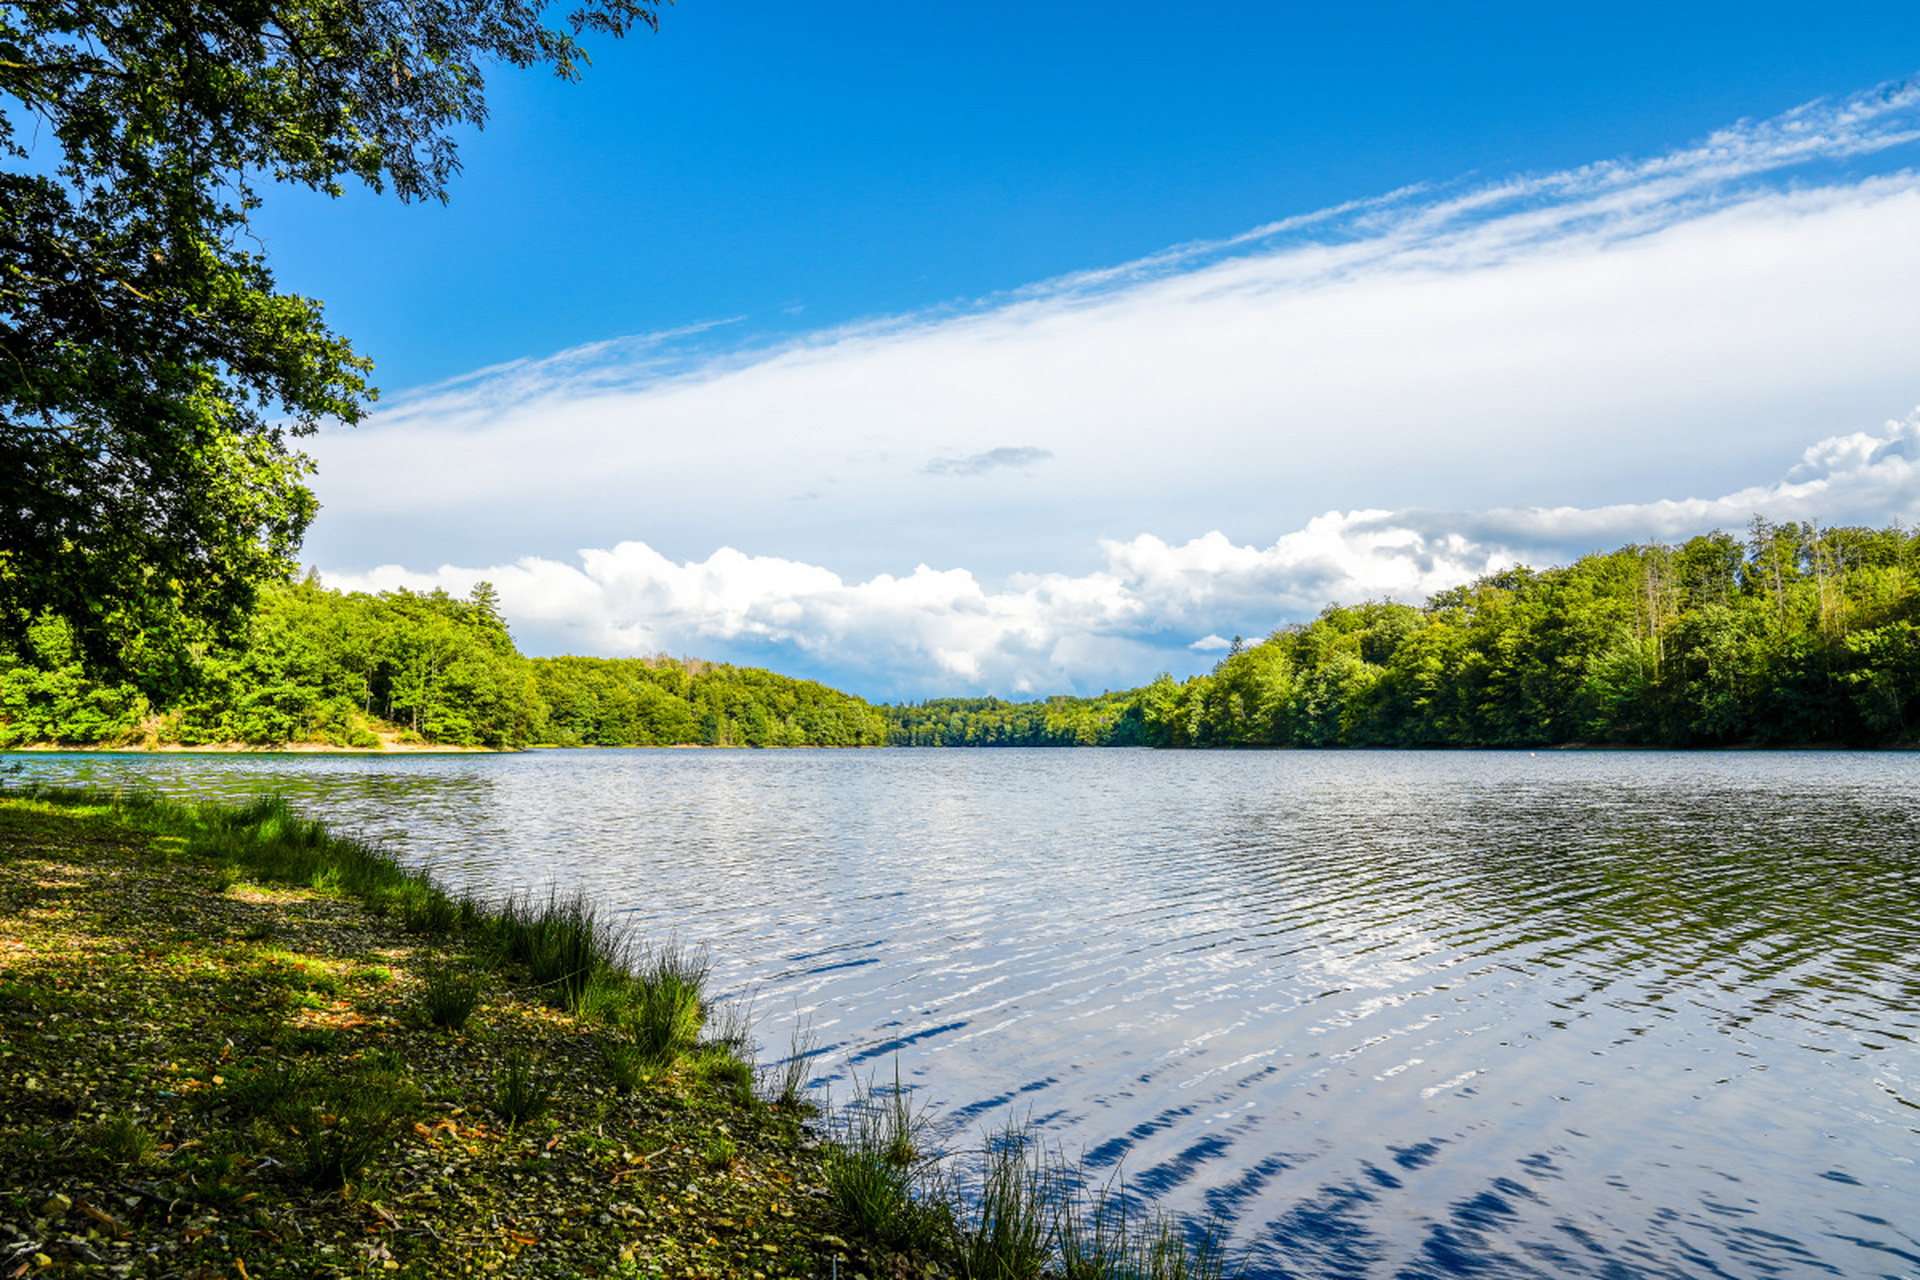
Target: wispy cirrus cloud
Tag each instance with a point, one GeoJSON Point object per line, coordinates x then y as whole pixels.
{"type": "Point", "coordinates": [979, 464]}
{"type": "Point", "coordinates": [1152, 605]}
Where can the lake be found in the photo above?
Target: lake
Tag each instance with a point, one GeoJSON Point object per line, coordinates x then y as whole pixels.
{"type": "Point", "coordinates": [1388, 1014]}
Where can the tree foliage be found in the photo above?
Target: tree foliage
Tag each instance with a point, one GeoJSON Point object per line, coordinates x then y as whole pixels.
{"type": "Point", "coordinates": [658, 701]}
{"type": "Point", "coordinates": [1794, 635]}
{"type": "Point", "coordinates": [150, 371]}
{"type": "Point", "coordinates": [1109, 720]}
{"type": "Point", "coordinates": [321, 666]}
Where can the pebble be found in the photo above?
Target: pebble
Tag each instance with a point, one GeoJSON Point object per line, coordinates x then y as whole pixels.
{"type": "Point", "coordinates": [56, 1206]}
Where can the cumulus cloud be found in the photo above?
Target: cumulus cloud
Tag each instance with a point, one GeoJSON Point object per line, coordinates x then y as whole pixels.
{"type": "Point", "coordinates": [1151, 605]}
{"type": "Point", "coordinates": [1679, 324]}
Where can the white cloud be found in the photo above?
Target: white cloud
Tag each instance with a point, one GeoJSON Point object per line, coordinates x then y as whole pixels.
{"type": "Point", "coordinates": [1378, 400]}
{"type": "Point", "coordinates": [1151, 605]}
{"type": "Point", "coordinates": [1679, 324]}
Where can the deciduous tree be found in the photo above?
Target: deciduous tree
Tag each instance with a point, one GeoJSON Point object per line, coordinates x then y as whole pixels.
{"type": "Point", "coordinates": [151, 371]}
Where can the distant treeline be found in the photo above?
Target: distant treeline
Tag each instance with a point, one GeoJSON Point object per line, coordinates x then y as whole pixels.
{"type": "Point", "coordinates": [1110, 720]}
{"type": "Point", "coordinates": [327, 667]}
{"type": "Point", "coordinates": [1793, 635]}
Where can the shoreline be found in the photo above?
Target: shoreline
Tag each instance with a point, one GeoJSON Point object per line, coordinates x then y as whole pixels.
{"type": "Point", "coordinates": [392, 746]}
{"type": "Point", "coordinates": [431, 748]}
{"type": "Point", "coordinates": [230, 1039]}
{"type": "Point", "coordinates": [249, 749]}
{"type": "Point", "coordinates": [205, 1069]}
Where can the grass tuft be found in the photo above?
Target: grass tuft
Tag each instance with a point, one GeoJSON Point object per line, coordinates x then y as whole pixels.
{"type": "Point", "coordinates": [786, 1082]}
{"type": "Point", "coordinates": [1166, 1252]}
{"type": "Point", "coordinates": [448, 995]}
{"type": "Point", "coordinates": [1026, 1216]}
{"type": "Point", "coordinates": [310, 1040]}
{"type": "Point", "coordinates": [1007, 1231]}
{"type": "Point", "coordinates": [626, 1065]}
{"type": "Point", "coordinates": [565, 943]}
{"type": "Point", "coordinates": [426, 911]}
{"type": "Point", "coordinates": [663, 1011]}
{"type": "Point", "coordinates": [721, 1067]}
{"type": "Point", "coordinates": [345, 1129]}
{"type": "Point", "coordinates": [268, 1091]}
{"type": "Point", "coordinates": [524, 1092]}
{"type": "Point", "coordinates": [120, 1140]}
{"type": "Point", "coordinates": [1092, 1233]}
{"type": "Point", "coordinates": [878, 1176]}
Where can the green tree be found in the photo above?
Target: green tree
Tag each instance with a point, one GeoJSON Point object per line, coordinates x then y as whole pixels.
{"type": "Point", "coordinates": [150, 370]}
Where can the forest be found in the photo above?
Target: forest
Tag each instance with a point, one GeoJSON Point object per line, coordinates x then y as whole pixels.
{"type": "Point", "coordinates": [359, 670]}
{"type": "Point", "coordinates": [1794, 635]}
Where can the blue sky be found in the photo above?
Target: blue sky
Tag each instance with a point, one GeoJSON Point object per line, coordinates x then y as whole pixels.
{"type": "Point", "coordinates": [927, 353]}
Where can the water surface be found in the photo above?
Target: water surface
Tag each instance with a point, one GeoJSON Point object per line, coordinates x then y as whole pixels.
{"type": "Point", "coordinates": [1390, 1014]}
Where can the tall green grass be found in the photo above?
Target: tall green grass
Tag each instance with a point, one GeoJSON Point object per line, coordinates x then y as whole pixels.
{"type": "Point", "coordinates": [448, 995]}
{"type": "Point", "coordinates": [581, 958]}
{"type": "Point", "coordinates": [1007, 1228]}
{"type": "Point", "coordinates": [524, 1092]}
{"type": "Point", "coordinates": [665, 1006]}
{"type": "Point", "coordinates": [881, 1174]}
{"type": "Point", "coordinates": [785, 1083]}
{"type": "Point", "coordinates": [566, 943]}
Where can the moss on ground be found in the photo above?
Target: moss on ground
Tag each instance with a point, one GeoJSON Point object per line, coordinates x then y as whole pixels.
{"type": "Point", "coordinates": [201, 1076]}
